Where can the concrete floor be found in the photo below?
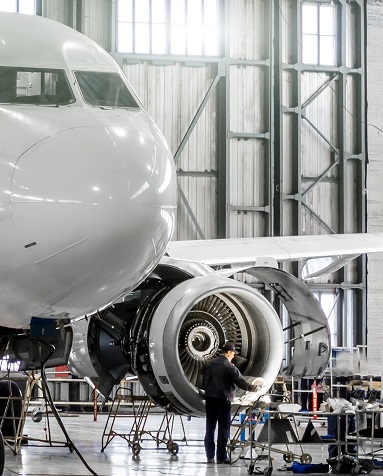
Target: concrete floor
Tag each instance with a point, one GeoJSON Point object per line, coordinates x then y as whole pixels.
{"type": "Point", "coordinates": [39, 458]}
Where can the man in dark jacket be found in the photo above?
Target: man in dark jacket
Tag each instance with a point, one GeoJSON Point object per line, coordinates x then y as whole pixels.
{"type": "Point", "coordinates": [220, 376]}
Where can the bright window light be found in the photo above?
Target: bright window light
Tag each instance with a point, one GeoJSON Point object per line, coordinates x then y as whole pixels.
{"type": "Point", "coordinates": [327, 50]}
{"type": "Point", "coordinates": [7, 366]}
{"type": "Point", "coordinates": [178, 14]}
{"type": "Point", "coordinates": [194, 39]}
{"type": "Point", "coordinates": [173, 27]}
{"type": "Point", "coordinates": [327, 17]}
{"type": "Point", "coordinates": [318, 34]}
{"type": "Point", "coordinates": [22, 6]}
{"type": "Point", "coordinates": [310, 49]}
{"type": "Point", "coordinates": [210, 12]}
{"type": "Point", "coordinates": [142, 38]}
{"type": "Point", "coordinates": [309, 19]}
{"type": "Point", "coordinates": [142, 11]}
{"type": "Point", "coordinates": [159, 11]}
{"type": "Point", "coordinates": [194, 13]}
{"type": "Point", "coordinates": [158, 39]}
{"type": "Point", "coordinates": [8, 6]}
{"type": "Point", "coordinates": [211, 40]}
{"type": "Point", "coordinates": [178, 46]}
{"type": "Point", "coordinates": [159, 27]}
{"type": "Point", "coordinates": [125, 11]}
{"type": "Point", "coordinates": [329, 304]}
{"type": "Point", "coordinates": [125, 37]}
{"type": "Point", "coordinates": [27, 6]}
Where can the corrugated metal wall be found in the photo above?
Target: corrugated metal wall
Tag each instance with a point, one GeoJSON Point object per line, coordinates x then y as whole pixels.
{"type": "Point", "coordinates": [375, 178]}
{"type": "Point", "coordinates": [172, 94]}
{"type": "Point", "coordinates": [56, 10]}
{"type": "Point", "coordinates": [91, 17]}
{"type": "Point", "coordinates": [96, 21]}
{"type": "Point", "coordinates": [248, 84]}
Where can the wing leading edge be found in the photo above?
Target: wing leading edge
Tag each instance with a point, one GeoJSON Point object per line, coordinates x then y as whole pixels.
{"type": "Point", "coordinates": [282, 248]}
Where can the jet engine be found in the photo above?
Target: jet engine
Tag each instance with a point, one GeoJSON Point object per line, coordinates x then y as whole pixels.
{"type": "Point", "coordinates": [175, 322]}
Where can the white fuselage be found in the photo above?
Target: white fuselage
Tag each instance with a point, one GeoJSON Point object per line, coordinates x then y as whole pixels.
{"type": "Point", "coordinates": [88, 193]}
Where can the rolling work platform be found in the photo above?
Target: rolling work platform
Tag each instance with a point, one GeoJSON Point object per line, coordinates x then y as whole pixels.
{"type": "Point", "coordinates": [277, 431]}
{"type": "Point", "coordinates": [138, 433]}
{"type": "Point", "coordinates": [368, 441]}
{"type": "Point", "coordinates": [14, 408]}
{"type": "Point", "coordinates": [273, 431]}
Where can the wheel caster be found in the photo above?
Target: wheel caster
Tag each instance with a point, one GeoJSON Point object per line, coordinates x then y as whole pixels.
{"type": "Point", "coordinates": [268, 471]}
{"type": "Point", "coordinates": [288, 457]}
{"type": "Point", "coordinates": [306, 458]}
{"type": "Point", "coordinates": [355, 470]}
{"type": "Point", "coordinates": [336, 469]}
{"type": "Point", "coordinates": [37, 416]}
{"type": "Point", "coordinates": [136, 448]}
{"type": "Point", "coordinates": [172, 447]}
{"type": "Point", "coordinates": [367, 465]}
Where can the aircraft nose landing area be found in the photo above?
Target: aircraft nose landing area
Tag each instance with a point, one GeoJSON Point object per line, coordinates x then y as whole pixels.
{"type": "Point", "coordinates": [99, 193]}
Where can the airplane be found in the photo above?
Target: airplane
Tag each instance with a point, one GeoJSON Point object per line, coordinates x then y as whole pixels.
{"type": "Point", "coordinates": [89, 273]}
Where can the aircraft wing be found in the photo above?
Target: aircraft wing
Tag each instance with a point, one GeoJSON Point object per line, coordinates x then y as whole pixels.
{"type": "Point", "coordinates": [281, 248]}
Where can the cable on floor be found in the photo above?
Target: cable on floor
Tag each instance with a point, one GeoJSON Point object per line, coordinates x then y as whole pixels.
{"type": "Point", "coordinates": [48, 397]}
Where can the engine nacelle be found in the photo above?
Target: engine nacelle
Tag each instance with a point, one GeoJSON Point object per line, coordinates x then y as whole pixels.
{"type": "Point", "coordinates": [194, 320]}
{"type": "Point", "coordinates": [179, 318]}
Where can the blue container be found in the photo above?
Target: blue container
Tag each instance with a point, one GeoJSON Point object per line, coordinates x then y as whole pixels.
{"type": "Point", "coordinates": [255, 421]}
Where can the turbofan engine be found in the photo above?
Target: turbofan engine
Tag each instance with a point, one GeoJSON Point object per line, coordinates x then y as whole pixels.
{"type": "Point", "coordinates": [169, 327]}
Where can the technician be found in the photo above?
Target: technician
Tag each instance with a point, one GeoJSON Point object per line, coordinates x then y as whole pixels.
{"type": "Point", "coordinates": [220, 376]}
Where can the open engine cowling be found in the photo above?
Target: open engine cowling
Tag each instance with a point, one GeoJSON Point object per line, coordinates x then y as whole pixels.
{"type": "Point", "coordinates": [194, 320]}
{"type": "Point", "coordinates": [178, 319]}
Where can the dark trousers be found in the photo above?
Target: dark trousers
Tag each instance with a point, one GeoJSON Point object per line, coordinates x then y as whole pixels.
{"type": "Point", "coordinates": [218, 411]}
{"type": "Point", "coordinates": [346, 425]}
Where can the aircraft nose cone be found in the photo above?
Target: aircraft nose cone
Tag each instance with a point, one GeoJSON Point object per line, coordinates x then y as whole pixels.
{"type": "Point", "coordinates": [93, 209]}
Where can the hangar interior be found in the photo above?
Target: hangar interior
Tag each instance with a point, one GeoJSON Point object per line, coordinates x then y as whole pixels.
{"type": "Point", "coordinates": [272, 111]}
{"type": "Point", "coordinates": [268, 122]}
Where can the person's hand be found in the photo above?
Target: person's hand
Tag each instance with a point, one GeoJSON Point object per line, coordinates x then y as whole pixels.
{"type": "Point", "coordinates": [253, 388]}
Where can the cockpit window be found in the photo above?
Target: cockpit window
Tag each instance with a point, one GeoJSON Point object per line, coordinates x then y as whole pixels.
{"type": "Point", "coordinates": [105, 89]}
{"type": "Point", "coordinates": [34, 86]}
